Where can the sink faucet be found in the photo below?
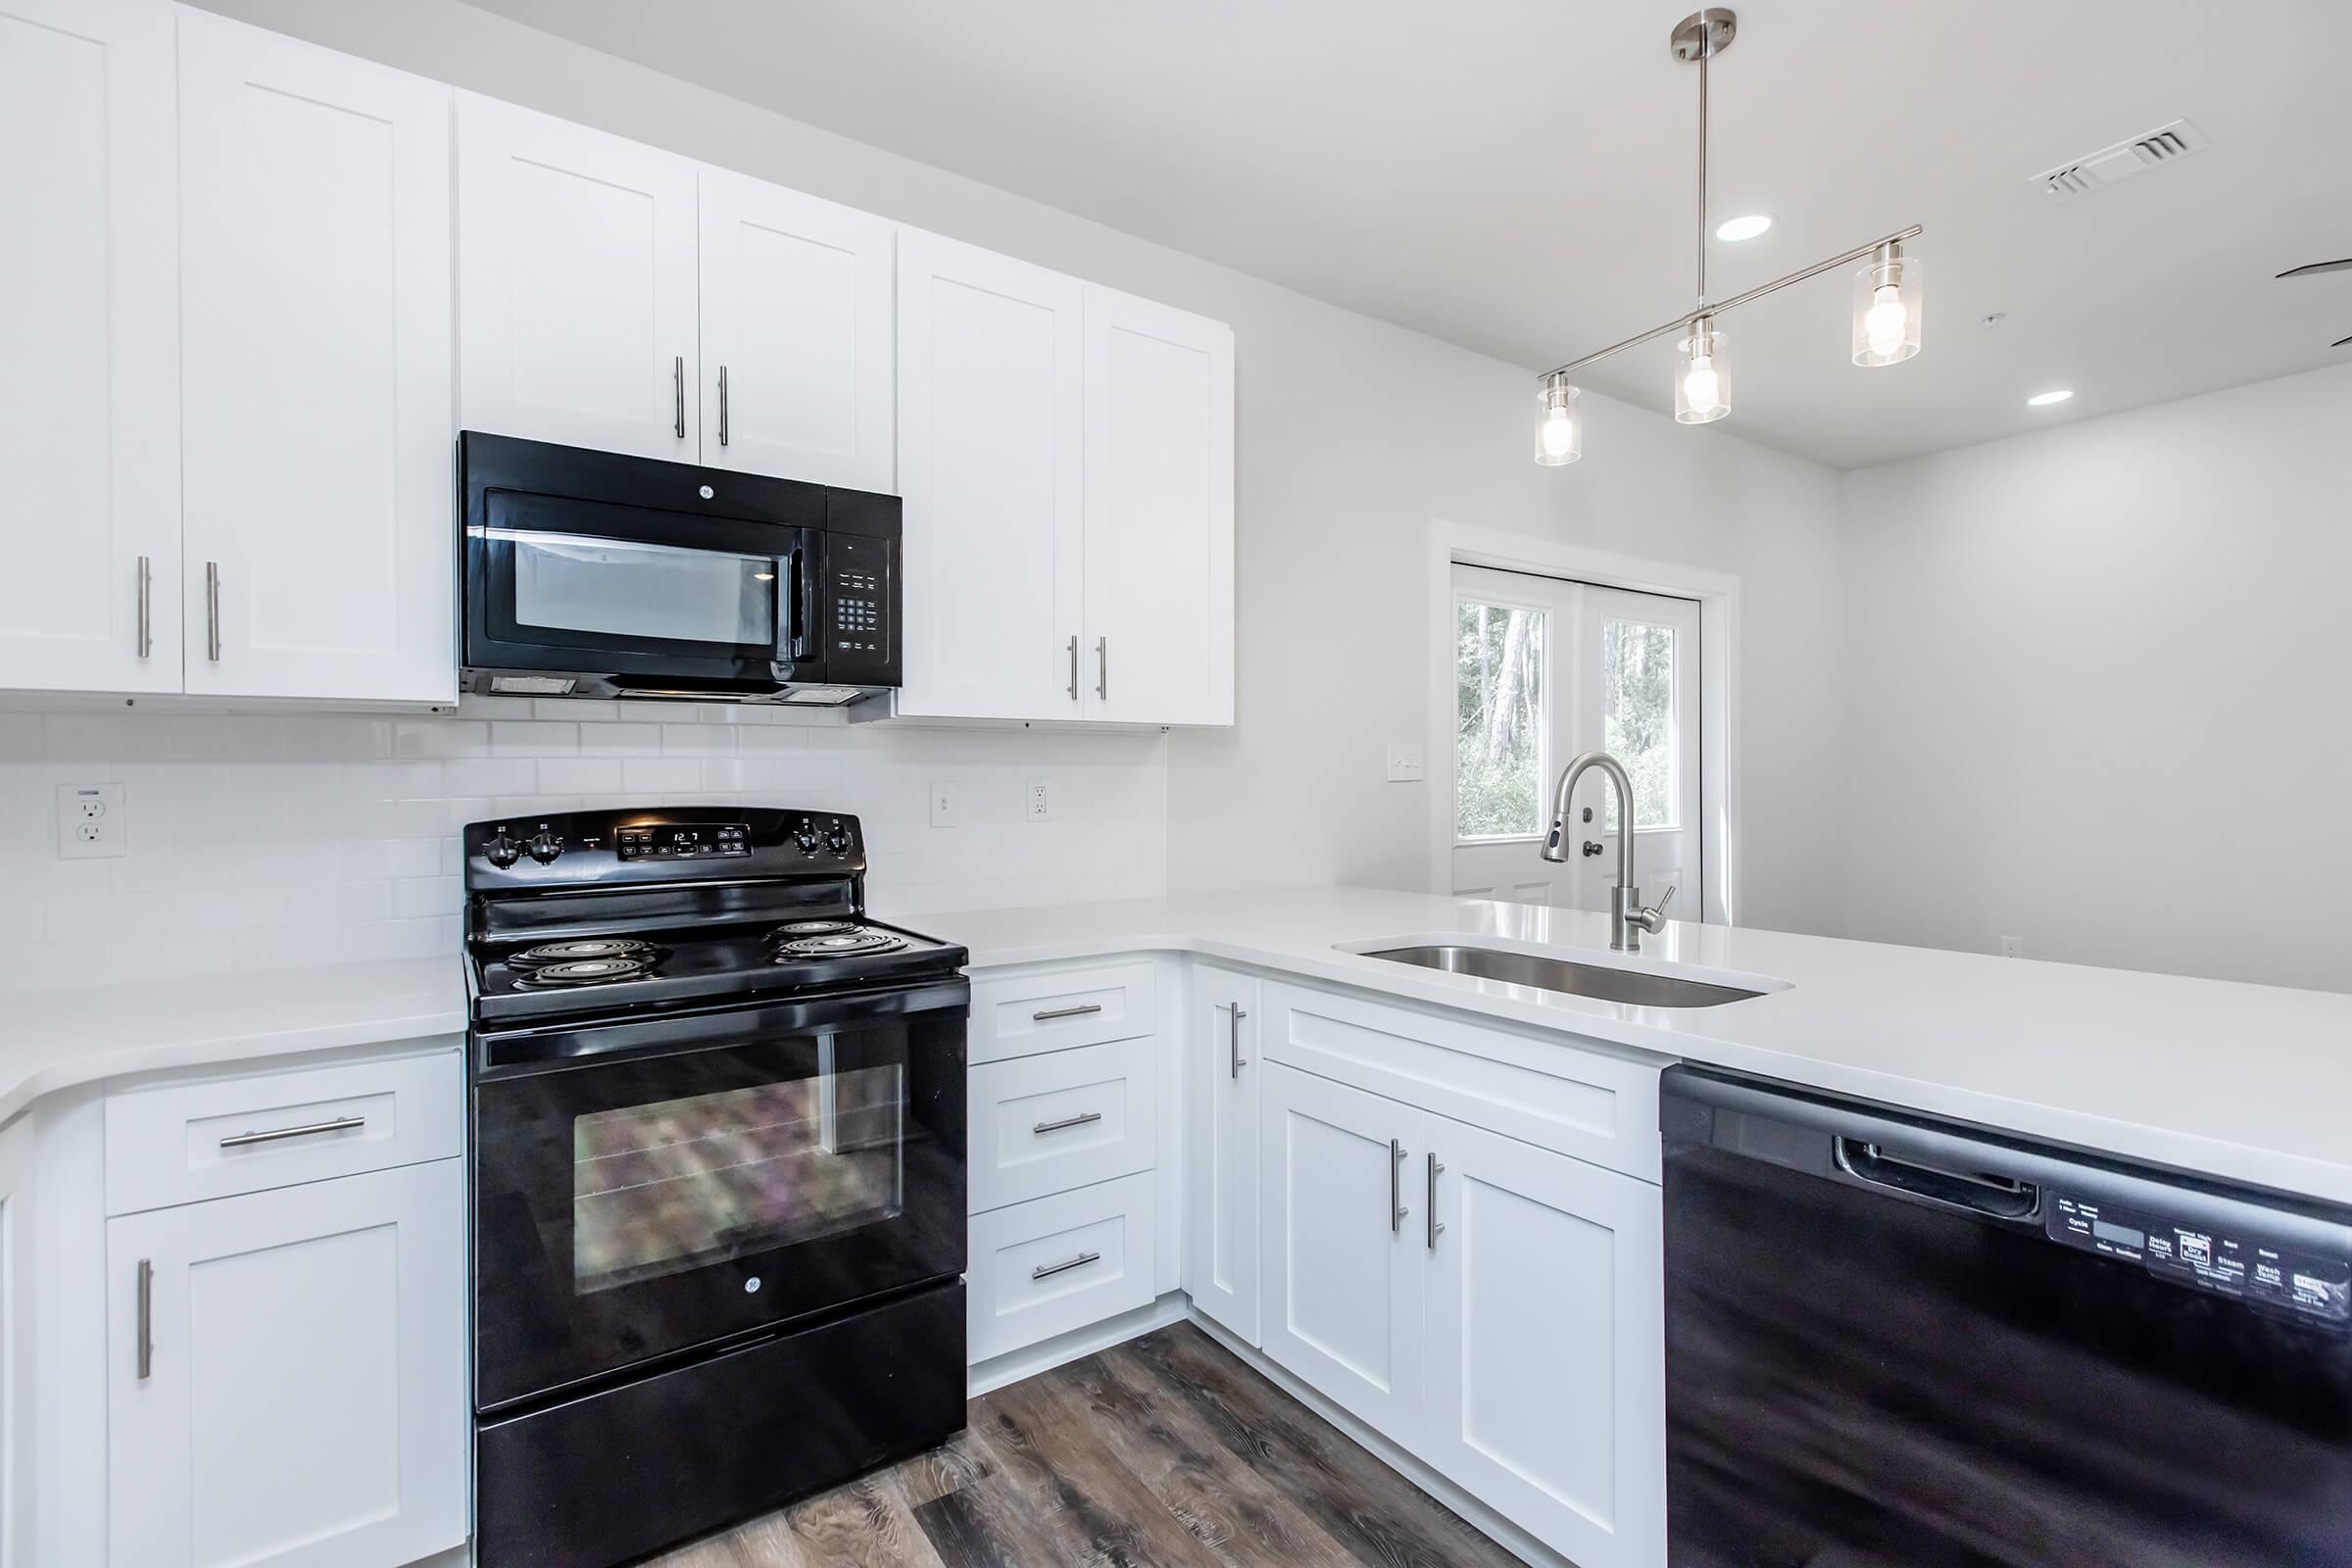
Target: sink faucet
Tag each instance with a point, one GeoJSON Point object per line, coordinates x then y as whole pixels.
{"type": "Point", "coordinates": [1626, 918]}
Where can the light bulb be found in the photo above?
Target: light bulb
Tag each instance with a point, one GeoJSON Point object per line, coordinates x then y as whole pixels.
{"type": "Point", "coordinates": [1884, 322]}
{"type": "Point", "coordinates": [1559, 434]}
{"type": "Point", "coordinates": [1702, 388]}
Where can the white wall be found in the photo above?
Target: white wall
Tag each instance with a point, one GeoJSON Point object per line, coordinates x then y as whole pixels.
{"type": "Point", "coordinates": [2098, 690]}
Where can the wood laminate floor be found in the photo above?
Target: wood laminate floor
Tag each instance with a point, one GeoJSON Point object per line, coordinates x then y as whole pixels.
{"type": "Point", "coordinates": [1163, 1453]}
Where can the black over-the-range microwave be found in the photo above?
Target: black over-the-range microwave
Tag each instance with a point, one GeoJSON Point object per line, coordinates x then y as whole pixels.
{"type": "Point", "coordinates": [597, 575]}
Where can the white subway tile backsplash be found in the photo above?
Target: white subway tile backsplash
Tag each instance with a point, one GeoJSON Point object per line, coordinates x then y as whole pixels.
{"type": "Point", "coordinates": [268, 840]}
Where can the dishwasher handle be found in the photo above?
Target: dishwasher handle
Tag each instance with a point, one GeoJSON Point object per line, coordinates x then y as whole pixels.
{"type": "Point", "coordinates": [1994, 1197]}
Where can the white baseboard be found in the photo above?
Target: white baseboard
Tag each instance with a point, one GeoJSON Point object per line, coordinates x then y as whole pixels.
{"type": "Point", "coordinates": [1047, 1355]}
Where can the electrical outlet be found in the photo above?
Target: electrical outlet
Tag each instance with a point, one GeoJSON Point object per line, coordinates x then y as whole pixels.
{"type": "Point", "coordinates": [2013, 947]}
{"type": "Point", "coordinates": [1405, 763]}
{"type": "Point", "coordinates": [1039, 803]}
{"type": "Point", "coordinates": [946, 805]}
{"type": "Point", "coordinates": [92, 822]}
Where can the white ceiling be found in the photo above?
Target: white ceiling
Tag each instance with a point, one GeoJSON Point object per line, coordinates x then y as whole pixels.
{"type": "Point", "coordinates": [1516, 175]}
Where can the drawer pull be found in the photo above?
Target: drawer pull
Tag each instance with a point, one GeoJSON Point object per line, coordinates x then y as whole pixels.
{"type": "Point", "coordinates": [1083, 1010]}
{"type": "Point", "coordinates": [312, 1129]}
{"type": "Point", "coordinates": [1045, 1270]}
{"type": "Point", "coordinates": [1079, 1120]}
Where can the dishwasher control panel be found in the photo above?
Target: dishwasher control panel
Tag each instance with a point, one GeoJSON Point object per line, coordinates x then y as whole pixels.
{"type": "Point", "coordinates": [2239, 1266]}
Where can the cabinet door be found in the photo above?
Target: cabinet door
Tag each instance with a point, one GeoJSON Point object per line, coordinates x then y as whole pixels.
{"type": "Point", "coordinates": [315, 307]}
{"type": "Point", "coordinates": [304, 1404]}
{"type": "Point", "coordinates": [1222, 1201]}
{"type": "Point", "coordinates": [1343, 1262]}
{"type": "Point", "coordinates": [797, 335]}
{"type": "Point", "coordinates": [1546, 1344]}
{"type": "Point", "coordinates": [1159, 513]}
{"type": "Point", "coordinates": [577, 316]}
{"type": "Point", "coordinates": [991, 463]}
{"type": "Point", "coordinates": [90, 405]}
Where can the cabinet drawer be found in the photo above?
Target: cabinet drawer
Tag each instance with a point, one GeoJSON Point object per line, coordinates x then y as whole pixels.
{"type": "Point", "coordinates": [179, 1143]}
{"type": "Point", "coordinates": [1543, 1090]}
{"type": "Point", "coordinates": [1022, 1014]}
{"type": "Point", "coordinates": [1068, 1118]}
{"type": "Point", "coordinates": [1059, 1264]}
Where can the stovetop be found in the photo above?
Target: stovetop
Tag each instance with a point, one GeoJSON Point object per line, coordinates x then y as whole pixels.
{"type": "Point", "coordinates": [594, 913]}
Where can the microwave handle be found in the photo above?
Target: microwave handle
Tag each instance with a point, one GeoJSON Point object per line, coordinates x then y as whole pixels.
{"type": "Point", "coordinates": [796, 611]}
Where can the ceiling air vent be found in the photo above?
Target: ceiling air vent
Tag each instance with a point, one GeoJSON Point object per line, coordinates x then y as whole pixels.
{"type": "Point", "coordinates": [2166, 144]}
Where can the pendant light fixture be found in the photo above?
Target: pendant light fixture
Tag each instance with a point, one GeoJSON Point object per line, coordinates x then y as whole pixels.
{"type": "Point", "coordinates": [1887, 295]}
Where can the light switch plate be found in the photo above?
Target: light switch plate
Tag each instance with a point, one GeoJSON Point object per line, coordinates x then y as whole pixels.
{"type": "Point", "coordinates": [946, 805]}
{"type": "Point", "coordinates": [92, 822]}
{"type": "Point", "coordinates": [1405, 763]}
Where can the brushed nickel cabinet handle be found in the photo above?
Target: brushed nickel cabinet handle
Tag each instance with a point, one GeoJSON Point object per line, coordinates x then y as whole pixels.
{"type": "Point", "coordinates": [1102, 679]}
{"type": "Point", "coordinates": [1079, 1012]}
{"type": "Point", "coordinates": [1235, 1061]}
{"type": "Point", "coordinates": [1073, 667]}
{"type": "Point", "coordinates": [211, 611]}
{"type": "Point", "coordinates": [722, 405]}
{"type": "Point", "coordinates": [308, 1130]}
{"type": "Point", "coordinates": [1047, 1270]}
{"type": "Point", "coordinates": [1396, 1209]}
{"type": "Point", "coordinates": [146, 1330]}
{"type": "Point", "coordinates": [1079, 1120]}
{"type": "Point", "coordinates": [146, 606]}
{"type": "Point", "coordinates": [677, 393]}
{"type": "Point", "coordinates": [1437, 1227]}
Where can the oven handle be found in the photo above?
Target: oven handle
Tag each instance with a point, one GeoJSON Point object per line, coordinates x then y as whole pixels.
{"type": "Point", "coordinates": [556, 1048]}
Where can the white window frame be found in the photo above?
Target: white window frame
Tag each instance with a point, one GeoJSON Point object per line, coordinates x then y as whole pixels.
{"type": "Point", "coordinates": [1449, 543]}
{"type": "Point", "coordinates": [1544, 752]}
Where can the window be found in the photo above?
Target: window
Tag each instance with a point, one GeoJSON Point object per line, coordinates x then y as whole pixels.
{"type": "Point", "coordinates": [1638, 698]}
{"type": "Point", "coordinates": [1499, 722]}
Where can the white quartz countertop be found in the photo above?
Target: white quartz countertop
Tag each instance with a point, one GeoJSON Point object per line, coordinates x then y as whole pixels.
{"type": "Point", "coordinates": [2252, 1083]}
{"type": "Point", "coordinates": [52, 1040]}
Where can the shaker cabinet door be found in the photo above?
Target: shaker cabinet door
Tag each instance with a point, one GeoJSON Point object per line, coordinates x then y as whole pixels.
{"type": "Point", "coordinates": [992, 465]}
{"type": "Point", "coordinates": [287, 1376]}
{"type": "Point", "coordinates": [576, 286]}
{"type": "Point", "coordinates": [1159, 513]}
{"type": "Point", "coordinates": [89, 405]}
{"type": "Point", "coordinates": [796, 336]}
{"type": "Point", "coordinates": [1223, 1072]}
{"type": "Point", "coordinates": [314, 203]}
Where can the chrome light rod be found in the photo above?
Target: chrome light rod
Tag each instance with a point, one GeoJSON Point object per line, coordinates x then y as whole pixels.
{"type": "Point", "coordinates": [1681, 323]}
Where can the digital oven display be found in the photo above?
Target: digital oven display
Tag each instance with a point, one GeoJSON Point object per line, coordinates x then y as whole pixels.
{"type": "Point", "coordinates": [699, 841]}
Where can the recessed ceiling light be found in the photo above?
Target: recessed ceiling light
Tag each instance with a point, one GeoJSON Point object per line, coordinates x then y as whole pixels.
{"type": "Point", "coordinates": [2042, 400]}
{"type": "Point", "coordinates": [1740, 228]}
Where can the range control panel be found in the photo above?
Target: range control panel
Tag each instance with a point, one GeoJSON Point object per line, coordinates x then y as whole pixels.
{"type": "Point", "coordinates": [2229, 1265]}
{"type": "Point", "coordinates": [684, 841]}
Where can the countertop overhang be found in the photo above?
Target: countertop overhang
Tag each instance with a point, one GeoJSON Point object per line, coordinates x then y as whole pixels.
{"type": "Point", "coordinates": [2243, 1081]}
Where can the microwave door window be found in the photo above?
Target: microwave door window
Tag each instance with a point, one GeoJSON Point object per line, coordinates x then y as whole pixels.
{"type": "Point", "coordinates": [663, 1188]}
{"type": "Point", "coordinates": [614, 589]}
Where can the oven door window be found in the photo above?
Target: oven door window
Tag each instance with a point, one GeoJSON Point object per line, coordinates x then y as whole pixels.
{"type": "Point", "coordinates": [676, 1181]}
{"type": "Point", "coordinates": [615, 588]}
{"type": "Point", "coordinates": [678, 1184]}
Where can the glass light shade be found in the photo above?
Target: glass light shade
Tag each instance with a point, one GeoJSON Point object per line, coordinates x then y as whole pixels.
{"type": "Point", "coordinates": [1887, 302]}
{"type": "Point", "coordinates": [1559, 425]}
{"type": "Point", "coordinates": [1702, 380]}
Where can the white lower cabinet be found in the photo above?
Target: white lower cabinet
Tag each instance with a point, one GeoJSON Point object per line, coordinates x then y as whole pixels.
{"type": "Point", "coordinates": [1222, 1074]}
{"type": "Point", "coordinates": [1492, 1307]}
{"type": "Point", "coordinates": [287, 1376]}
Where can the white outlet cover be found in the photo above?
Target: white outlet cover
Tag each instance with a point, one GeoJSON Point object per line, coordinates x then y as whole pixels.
{"type": "Point", "coordinates": [946, 805]}
{"type": "Point", "coordinates": [2013, 947]}
{"type": "Point", "coordinates": [1405, 763]}
{"type": "Point", "coordinates": [92, 823]}
{"type": "Point", "coordinates": [1038, 800]}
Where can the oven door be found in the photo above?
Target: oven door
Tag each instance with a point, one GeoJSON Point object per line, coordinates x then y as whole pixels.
{"type": "Point", "coordinates": [560, 584]}
{"type": "Point", "coordinates": [645, 1188]}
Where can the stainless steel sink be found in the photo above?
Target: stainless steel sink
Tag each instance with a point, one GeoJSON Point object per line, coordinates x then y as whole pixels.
{"type": "Point", "coordinates": [1634, 987]}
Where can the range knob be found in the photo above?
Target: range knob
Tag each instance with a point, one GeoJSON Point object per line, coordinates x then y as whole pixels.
{"type": "Point", "coordinates": [838, 840]}
{"type": "Point", "coordinates": [502, 851]}
{"type": "Point", "coordinates": [546, 845]}
{"type": "Point", "coordinates": [806, 837]}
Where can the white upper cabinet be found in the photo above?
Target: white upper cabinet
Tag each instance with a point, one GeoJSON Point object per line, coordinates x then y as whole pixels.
{"type": "Point", "coordinates": [1159, 513]}
{"type": "Point", "coordinates": [90, 405]}
{"type": "Point", "coordinates": [992, 465]}
{"type": "Point", "coordinates": [576, 286]}
{"type": "Point", "coordinates": [795, 335]}
{"type": "Point", "coordinates": [314, 289]}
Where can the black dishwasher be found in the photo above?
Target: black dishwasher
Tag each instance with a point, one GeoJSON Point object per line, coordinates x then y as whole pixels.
{"type": "Point", "coordinates": [1894, 1342]}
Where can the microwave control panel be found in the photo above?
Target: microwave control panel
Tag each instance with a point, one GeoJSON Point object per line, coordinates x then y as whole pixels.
{"type": "Point", "coordinates": [859, 640]}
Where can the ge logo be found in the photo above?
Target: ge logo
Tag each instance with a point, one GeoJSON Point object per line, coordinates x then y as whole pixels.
{"type": "Point", "coordinates": [751, 1284]}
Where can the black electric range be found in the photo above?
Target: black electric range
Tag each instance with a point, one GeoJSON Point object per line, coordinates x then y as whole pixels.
{"type": "Point", "coordinates": [718, 1143]}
